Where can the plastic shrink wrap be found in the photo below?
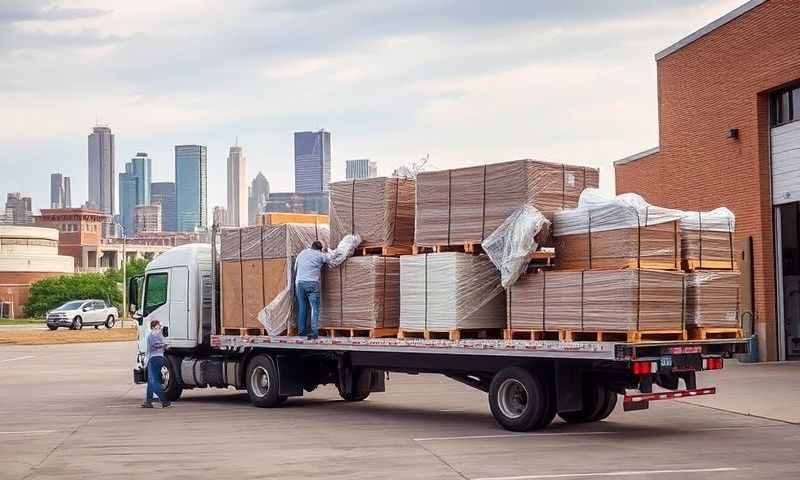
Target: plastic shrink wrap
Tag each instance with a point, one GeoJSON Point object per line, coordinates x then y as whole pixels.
{"type": "Point", "coordinates": [712, 299]}
{"type": "Point", "coordinates": [597, 300]}
{"type": "Point", "coordinates": [625, 231]}
{"type": "Point", "coordinates": [256, 268]}
{"type": "Point", "coordinates": [707, 240]}
{"type": "Point", "coordinates": [511, 246]}
{"type": "Point", "coordinates": [465, 205]}
{"type": "Point", "coordinates": [380, 210]}
{"type": "Point", "coordinates": [440, 292]}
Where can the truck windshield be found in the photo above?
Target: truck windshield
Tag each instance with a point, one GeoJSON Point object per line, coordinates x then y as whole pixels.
{"type": "Point", "coordinates": [71, 306]}
{"type": "Point", "coordinates": [155, 293]}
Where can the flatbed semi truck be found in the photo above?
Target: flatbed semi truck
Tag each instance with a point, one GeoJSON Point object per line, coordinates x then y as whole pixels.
{"type": "Point", "coordinates": [528, 382]}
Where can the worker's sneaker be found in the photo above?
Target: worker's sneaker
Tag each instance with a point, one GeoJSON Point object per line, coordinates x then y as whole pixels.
{"type": "Point", "coordinates": [147, 405]}
{"type": "Point", "coordinates": [166, 404]}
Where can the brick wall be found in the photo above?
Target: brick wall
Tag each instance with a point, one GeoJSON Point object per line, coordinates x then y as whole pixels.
{"type": "Point", "coordinates": [718, 82]}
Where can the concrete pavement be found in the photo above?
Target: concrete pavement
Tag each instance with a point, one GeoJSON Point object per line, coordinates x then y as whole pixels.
{"type": "Point", "coordinates": [70, 411]}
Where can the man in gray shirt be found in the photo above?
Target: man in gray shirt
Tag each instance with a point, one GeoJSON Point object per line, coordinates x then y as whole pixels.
{"type": "Point", "coordinates": [154, 361]}
{"type": "Point", "coordinates": [308, 265]}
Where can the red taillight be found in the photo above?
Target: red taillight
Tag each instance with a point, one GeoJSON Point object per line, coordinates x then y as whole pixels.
{"type": "Point", "coordinates": [641, 368]}
{"type": "Point", "coordinates": [714, 363]}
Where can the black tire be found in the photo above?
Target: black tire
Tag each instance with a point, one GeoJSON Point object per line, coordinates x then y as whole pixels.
{"type": "Point", "coordinates": [608, 406]}
{"type": "Point", "coordinates": [262, 382]}
{"type": "Point", "coordinates": [172, 383]}
{"type": "Point", "coordinates": [77, 323]}
{"type": "Point", "coordinates": [552, 406]}
{"type": "Point", "coordinates": [596, 400]}
{"type": "Point", "coordinates": [361, 379]}
{"type": "Point", "coordinates": [110, 321]}
{"type": "Point", "coordinates": [53, 327]}
{"type": "Point", "coordinates": [520, 400]}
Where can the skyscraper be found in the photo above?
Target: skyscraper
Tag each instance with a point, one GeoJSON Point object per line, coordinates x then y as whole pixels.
{"type": "Point", "coordinates": [67, 193]}
{"type": "Point", "coordinates": [101, 169]}
{"type": "Point", "coordinates": [312, 161]}
{"type": "Point", "coordinates": [237, 187]}
{"type": "Point", "coordinates": [191, 187]}
{"type": "Point", "coordinates": [134, 190]}
{"type": "Point", "coordinates": [361, 168]}
{"type": "Point", "coordinates": [19, 210]}
{"type": "Point", "coordinates": [163, 193]}
{"type": "Point", "coordinates": [257, 198]}
{"type": "Point", "coordinates": [58, 189]}
{"type": "Point", "coordinates": [147, 218]}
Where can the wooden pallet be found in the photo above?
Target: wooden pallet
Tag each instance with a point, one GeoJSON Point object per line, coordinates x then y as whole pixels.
{"type": "Point", "coordinates": [694, 265]}
{"type": "Point", "coordinates": [358, 332]}
{"type": "Point", "coordinates": [458, 247]}
{"type": "Point", "coordinates": [707, 333]}
{"type": "Point", "coordinates": [515, 334]}
{"type": "Point", "coordinates": [633, 336]}
{"type": "Point", "coordinates": [620, 264]}
{"type": "Point", "coordinates": [454, 335]}
{"type": "Point", "coordinates": [244, 332]}
{"type": "Point", "coordinates": [385, 251]}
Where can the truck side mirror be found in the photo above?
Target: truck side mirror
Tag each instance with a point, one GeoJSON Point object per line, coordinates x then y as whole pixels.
{"type": "Point", "coordinates": [165, 331]}
{"type": "Point", "coordinates": [133, 293]}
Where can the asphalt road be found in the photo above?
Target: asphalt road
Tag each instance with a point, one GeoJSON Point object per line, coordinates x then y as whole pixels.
{"type": "Point", "coordinates": [70, 411]}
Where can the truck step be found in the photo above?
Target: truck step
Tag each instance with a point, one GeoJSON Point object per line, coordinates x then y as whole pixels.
{"type": "Point", "coordinates": [454, 335]}
{"type": "Point", "coordinates": [358, 332]}
{"type": "Point", "coordinates": [708, 333]}
{"type": "Point", "coordinates": [632, 336]}
{"type": "Point", "coordinates": [384, 251]}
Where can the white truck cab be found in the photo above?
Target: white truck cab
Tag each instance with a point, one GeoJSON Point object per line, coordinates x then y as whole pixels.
{"type": "Point", "coordinates": [176, 290]}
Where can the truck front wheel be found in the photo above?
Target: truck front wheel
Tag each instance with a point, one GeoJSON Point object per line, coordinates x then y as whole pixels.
{"type": "Point", "coordinates": [520, 400]}
{"type": "Point", "coordinates": [171, 381]}
{"type": "Point", "coordinates": [262, 382]}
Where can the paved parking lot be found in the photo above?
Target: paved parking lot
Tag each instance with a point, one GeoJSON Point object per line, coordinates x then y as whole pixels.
{"type": "Point", "coordinates": [70, 411]}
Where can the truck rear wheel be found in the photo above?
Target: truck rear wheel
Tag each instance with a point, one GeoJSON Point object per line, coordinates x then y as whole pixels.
{"type": "Point", "coordinates": [262, 382]}
{"type": "Point", "coordinates": [520, 400]}
{"type": "Point", "coordinates": [598, 403]}
{"type": "Point", "coordinates": [359, 389]}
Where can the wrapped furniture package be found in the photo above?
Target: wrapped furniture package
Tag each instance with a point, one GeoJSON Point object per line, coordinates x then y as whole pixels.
{"type": "Point", "coordinates": [380, 210]}
{"type": "Point", "coordinates": [256, 268]}
{"type": "Point", "coordinates": [465, 205]}
{"type": "Point", "coordinates": [441, 292]}
{"type": "Point", "coordinates": [361, 293]}
{"type": "Point", "coordinates": [707, 240]}
{"type": "Point", "coordinates": [712, 299]}
{"type": "Point", "coordinates": [617, 232]}
{"type": "Point", "coordinates": [597, 300]}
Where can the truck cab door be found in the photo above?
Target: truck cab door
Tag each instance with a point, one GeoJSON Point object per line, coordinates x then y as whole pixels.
{"type": "Point", "coordinates": [155, 305]}
{"type": "Point", "coordinates": [179, 328]}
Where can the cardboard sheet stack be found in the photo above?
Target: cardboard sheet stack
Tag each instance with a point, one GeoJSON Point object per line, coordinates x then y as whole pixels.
{"type": "Point", "coordinates": [465, 205]}
{"type": "Point", "coordinates": [362, 293]}
{"type": "Point", "coordinates": [712, 299]}
{"type": "Point", "coordinates": [707, 240]}
{"type": "Point", "coordinates": [380, 210]}
{"type": "Point", "coordinates": [446, 291]}
{"type": "Point", "coordinates": [597, 300]}
{"type": "Point", "coordinates": [617, 232]}
{"type": "Point", "coordinates": [256, 267]}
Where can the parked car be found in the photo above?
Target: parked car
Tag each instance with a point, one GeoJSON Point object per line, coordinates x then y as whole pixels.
{"type": "Point", "coordinates": [79, 313]}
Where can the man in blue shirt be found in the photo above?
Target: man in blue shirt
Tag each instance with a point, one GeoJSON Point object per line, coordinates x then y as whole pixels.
{"type": "Point", "coordinates": [154, 361]}
{"type": "Point", "coordinates": [308, 265]}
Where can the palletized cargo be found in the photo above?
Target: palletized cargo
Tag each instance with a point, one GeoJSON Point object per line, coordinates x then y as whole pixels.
{"type": "Point", "coordinates": [444, 292]}
{"type": "Point", "coordinates": [712, 299]}
{"type": "Point", "coordinates": [465, 205]}
{"type": "Point", "coordinates": [707, 240]}
{"type": "Point", "coordinates": [363, 293]}
{"type": "Point", "coordinates": [380, 210]}
{"type": "Point", "coordinates": [256, 266]}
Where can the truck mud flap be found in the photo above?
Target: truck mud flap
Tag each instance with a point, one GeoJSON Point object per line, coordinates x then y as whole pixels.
{"type": "Point", "coordinates": [290, 374]}
{"type": "Point", "coordinates": [377, 381]}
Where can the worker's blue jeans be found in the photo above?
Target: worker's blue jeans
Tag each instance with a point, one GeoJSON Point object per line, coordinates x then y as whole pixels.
{"type": "Point", "coordinates": [307, 292]}
{"type": "Point", "coordinates": [154, 379]}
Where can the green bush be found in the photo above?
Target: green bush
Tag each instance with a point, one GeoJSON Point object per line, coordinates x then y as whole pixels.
{"type": "Point", "coordinates": [133, 268]}
{"type": "Point", "coordinates": [49, 293]}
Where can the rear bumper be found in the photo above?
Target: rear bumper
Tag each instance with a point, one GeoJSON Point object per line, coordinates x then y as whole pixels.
{"type": "Point", "coordinates": [641, 401]}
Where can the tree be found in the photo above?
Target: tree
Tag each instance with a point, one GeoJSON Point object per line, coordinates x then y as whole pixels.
{"type": "Point", "coordinates": [133, 268]}
{"type": "Point", "coordinates": [49, 293]}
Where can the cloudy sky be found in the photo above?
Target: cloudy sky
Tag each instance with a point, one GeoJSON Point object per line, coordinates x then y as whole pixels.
{"type": "Point", "coordinates": [467, 82]}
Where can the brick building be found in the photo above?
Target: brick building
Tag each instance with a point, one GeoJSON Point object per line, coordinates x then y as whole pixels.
{"type": "Point", "coordinates": [729, 135]}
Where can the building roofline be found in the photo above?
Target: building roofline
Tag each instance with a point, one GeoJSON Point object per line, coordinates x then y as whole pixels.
{"type": "Point", "coordinates": [728, 17]}
{"type": "Point", "coordinates": [637, 156]}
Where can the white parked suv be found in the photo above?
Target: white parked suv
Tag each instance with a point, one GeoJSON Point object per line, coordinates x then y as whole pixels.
{"type": "Point", "coordinates": [77, 313]}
